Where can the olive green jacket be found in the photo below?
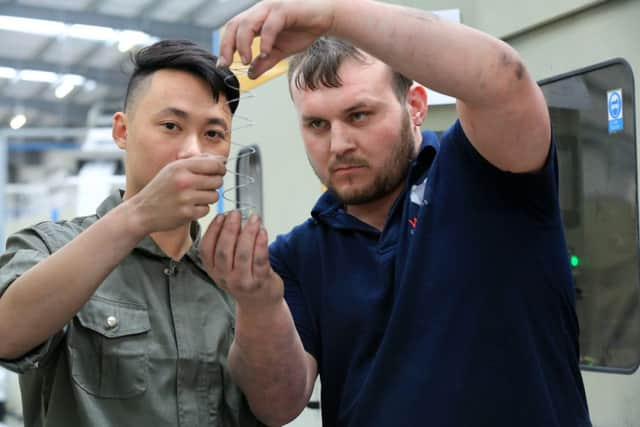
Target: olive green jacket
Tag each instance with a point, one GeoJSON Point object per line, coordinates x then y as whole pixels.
{"type": "Point", "coordinates": [148, 349]}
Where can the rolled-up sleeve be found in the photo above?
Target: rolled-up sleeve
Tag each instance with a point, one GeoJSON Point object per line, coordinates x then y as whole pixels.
{"type": "Point", "coordinates": [25, 249]}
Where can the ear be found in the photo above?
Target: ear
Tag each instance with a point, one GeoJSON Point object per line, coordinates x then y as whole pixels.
{"type": "Point", "coordinates": [417, 104]}
{"type": "Point", "coordinates": [119, 130]}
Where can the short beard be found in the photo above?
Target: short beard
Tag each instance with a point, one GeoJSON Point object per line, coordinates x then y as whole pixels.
{"type": "Point", "coordinates": [392, 173]}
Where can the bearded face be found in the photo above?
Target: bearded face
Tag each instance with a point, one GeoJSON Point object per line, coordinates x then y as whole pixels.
{"type": "Point", "coordinates": [380, 180]}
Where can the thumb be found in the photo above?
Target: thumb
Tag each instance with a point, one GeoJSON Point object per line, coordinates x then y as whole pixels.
{"type": "Point", "coordinates": [265, 62]}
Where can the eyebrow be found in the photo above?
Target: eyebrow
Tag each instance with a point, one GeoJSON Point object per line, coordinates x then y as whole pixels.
{"type": "Point", "coordinates": [356, 107]}
{"type": "Point", "coordinates": [307, 119]}
{"type": "Point", "coordinates": [184, 115]}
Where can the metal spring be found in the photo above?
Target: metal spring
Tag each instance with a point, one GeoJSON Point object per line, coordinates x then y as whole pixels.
{"type": "Point", "coordinates": [241, 180]}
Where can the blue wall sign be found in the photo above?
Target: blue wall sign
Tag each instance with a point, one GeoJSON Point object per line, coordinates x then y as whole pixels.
{"type": "Point", "coordinates": [615, 110]}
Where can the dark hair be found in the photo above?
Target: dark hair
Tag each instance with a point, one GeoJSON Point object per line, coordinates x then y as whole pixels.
{"type": "Point", "coordinates": [319, 64]}
{"type": "Point", "coordinates": [187, 56]}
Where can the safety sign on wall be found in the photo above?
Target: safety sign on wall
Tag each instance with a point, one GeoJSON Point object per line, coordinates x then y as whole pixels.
{"type": "Point", "coordinates": [615, 110]}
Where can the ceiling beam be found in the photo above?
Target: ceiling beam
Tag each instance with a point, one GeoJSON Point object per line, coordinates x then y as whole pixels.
{"type": "Point", "coordinates": [71, 112]}
{"type": "Point", "coordinates": [44, 133]}
{"type": "Point", "coordinates": [154, 27]}
{"type": "Point", "coordinates": [151, 6]}
{"type": "Point", "coordinates": [231, 9]}
{"type": "Point", "coordinates": [192, 14]}
{"type": "Point", "coordinates": [104, 76]}
{"type": "Point", "coordinates": [225, 10]}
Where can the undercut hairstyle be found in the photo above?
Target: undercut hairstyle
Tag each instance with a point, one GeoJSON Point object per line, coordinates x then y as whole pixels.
{"type": "Point", "coordinates": [318, 66]}
{"type": "Point", "coordinates": [182, 55]}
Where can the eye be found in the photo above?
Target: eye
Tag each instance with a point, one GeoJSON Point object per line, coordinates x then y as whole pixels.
{"type": "Point", "coordinates": [317, 124]}
{"type": "Point", "coordinates": [171, 126]}
{"type": "Point", "coordinates": [359, 116]}
{"type": "Point", "coordinates": [216, 134]}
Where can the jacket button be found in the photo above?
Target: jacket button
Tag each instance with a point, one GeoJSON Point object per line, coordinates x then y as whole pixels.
{"type": "Point", "coordinates": [112, 322]}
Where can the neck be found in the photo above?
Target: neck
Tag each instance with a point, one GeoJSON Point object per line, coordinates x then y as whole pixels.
{"type": "Point", "coordinates": [175, 243]}
{"type": "Point", "coordinates": [375, 213]}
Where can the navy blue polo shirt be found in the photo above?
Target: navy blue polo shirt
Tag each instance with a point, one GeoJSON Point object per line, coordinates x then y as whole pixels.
{"type": "Point", "coordinates": [460, 313]}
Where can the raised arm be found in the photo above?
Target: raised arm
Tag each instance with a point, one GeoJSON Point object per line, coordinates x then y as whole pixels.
{"type": "Point", "coordinates": [267, 359]}
{"type": "Point", "coordinates": [501, 108]}
{"type": "Point", "coordinates": [63, 282]}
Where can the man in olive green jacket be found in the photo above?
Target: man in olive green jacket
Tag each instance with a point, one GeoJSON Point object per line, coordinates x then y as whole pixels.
{"type": "Point", "coordinates": [111, 319]}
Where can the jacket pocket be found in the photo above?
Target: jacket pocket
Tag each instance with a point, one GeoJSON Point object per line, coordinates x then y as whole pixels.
{"type": "Point", "coordinates": [107, 343]}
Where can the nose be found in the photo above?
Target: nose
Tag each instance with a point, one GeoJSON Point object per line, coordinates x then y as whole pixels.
{"type": "Point", "coordinates": [190, 147]}
{"type": "Point", "coordinates": [342, 141]}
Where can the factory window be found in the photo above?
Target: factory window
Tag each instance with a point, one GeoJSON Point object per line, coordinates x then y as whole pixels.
{"type": "Point", "coordinates": [593, 118]}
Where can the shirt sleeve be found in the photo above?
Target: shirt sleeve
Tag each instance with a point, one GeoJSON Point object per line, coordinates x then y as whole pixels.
{"type": "Point", "coordinates": [537, 192]}
{"type": "Point", "coordinates": [25, 249]}
{"type": "Point", "coordinates": [294, 296]}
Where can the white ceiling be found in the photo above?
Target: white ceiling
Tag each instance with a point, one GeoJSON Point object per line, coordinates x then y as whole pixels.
{"type": "Point", "coordinates": [95, 60]}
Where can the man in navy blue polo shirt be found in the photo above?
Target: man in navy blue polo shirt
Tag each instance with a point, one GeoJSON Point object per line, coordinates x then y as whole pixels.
{"type": "Point", "coordinates": [431, 284]}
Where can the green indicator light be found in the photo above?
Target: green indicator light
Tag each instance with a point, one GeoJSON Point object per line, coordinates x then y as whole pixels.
{"type": "Point", "coordinates": [575, 261]}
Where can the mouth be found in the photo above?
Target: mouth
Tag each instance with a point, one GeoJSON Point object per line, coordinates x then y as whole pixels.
{"type": "Point", "coordinates": [346, 168]}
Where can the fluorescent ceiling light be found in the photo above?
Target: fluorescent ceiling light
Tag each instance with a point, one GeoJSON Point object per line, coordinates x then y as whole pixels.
{"type": "Point", "coordinates": [38, 76]}
{"type": "Point", "coordinates": [67, 84]}
{"type": "Point", "coordinates": [126, 39]}
{"type": "Point", "coordinates": [18, 121]}
{"type": "Point", "coordinates": [31, 26]}
{"type": "Point", "coordinates": [64, 89]}
{"type": "Point", "coordinates": [74, 79]}
{"type": "Point", "coordinates": [91, 32]}
{"type": "Point", "coordinates": [8, 73]}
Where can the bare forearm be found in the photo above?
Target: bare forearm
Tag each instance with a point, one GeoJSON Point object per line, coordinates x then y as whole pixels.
{"type": "Point", "coordinates": [62, 283]}
{"type": "Point", "coordinates": [486, 75]}
{"type": "Point", "coordinates": [269, 363]}
{"type": "Point", "coordinates": [447, 57]}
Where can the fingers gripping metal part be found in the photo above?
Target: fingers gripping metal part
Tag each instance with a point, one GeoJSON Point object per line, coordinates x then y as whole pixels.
{"type": "Point", "coordinates": [239, 151]}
